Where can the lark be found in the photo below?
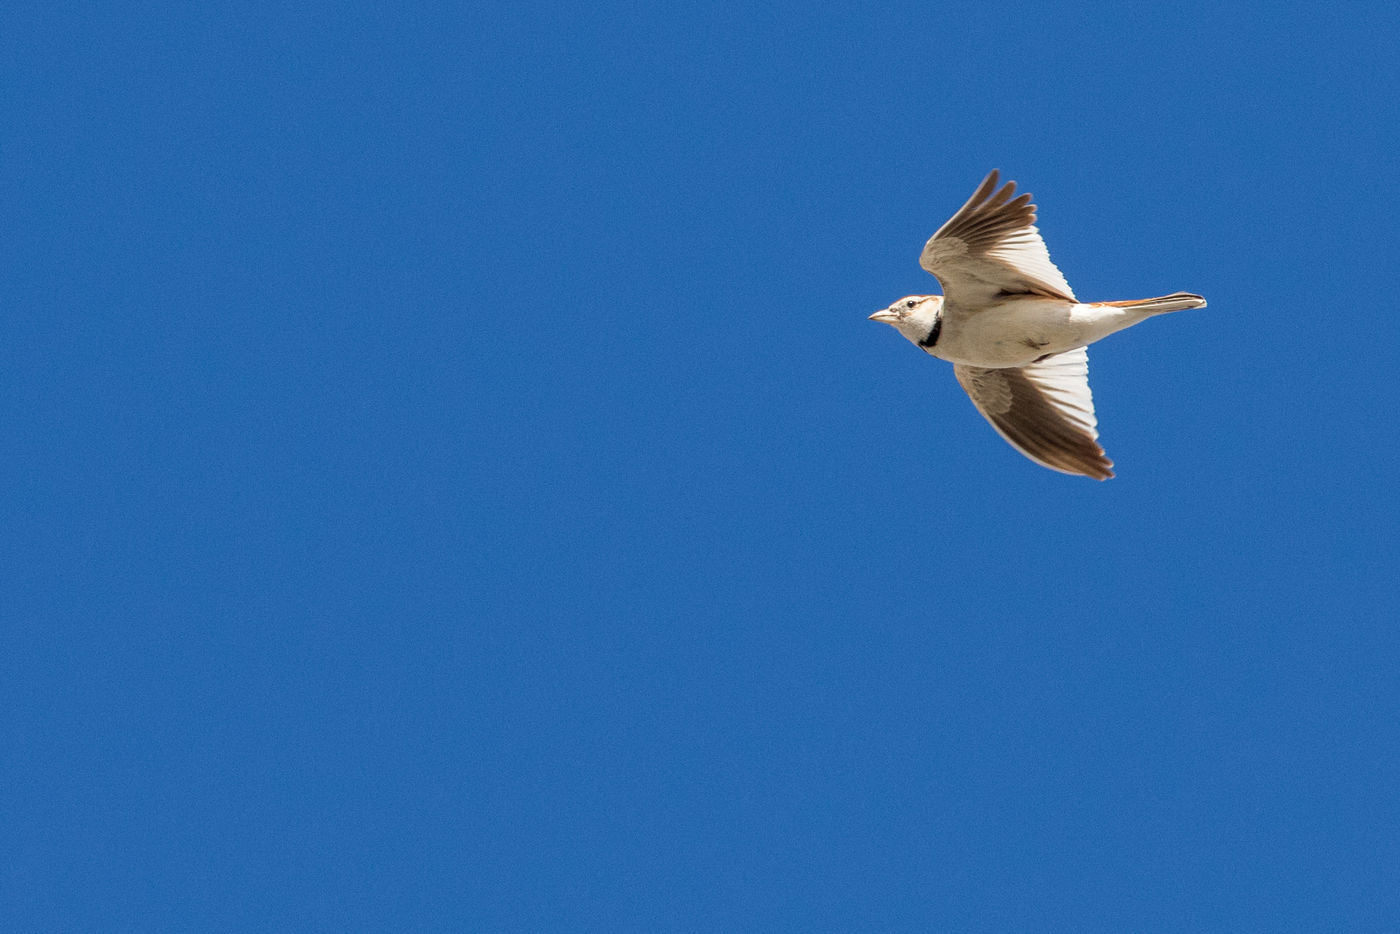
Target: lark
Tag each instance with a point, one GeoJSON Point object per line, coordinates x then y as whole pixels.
{"type": "Point", "coordinates": [1016, 335]}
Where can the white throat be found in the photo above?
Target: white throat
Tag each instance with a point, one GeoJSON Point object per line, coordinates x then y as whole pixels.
{"type": "Point", "coordinates": [922, 323]}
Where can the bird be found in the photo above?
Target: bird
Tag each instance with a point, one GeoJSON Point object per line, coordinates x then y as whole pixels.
{"type": "Point", "coordinates": [1016, 335]}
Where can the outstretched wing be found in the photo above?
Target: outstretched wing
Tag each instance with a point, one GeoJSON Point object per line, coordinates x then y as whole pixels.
{"type": "Point", "coordinates": [991, 247]}
{"type": "Point", "coordinates": [1044, 410]}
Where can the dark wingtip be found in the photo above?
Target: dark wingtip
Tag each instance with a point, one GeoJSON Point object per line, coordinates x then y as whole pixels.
{"type": "Point", "coordinates": [984, 190]}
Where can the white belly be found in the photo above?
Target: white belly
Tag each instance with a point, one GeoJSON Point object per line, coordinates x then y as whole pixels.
{"type": "Point", "coordinates": [1022, 329]}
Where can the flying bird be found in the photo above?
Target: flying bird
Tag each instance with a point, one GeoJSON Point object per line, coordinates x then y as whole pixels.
{"type": "Point", "coordinates": [1013, 330]}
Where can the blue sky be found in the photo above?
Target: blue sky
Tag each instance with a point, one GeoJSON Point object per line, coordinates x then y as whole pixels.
{"type": "Point", "coordinates": [451, 483]}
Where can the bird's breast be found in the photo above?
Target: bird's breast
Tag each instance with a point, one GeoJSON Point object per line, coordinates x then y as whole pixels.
{"type": "Point", "coordinates": [1014, 332]}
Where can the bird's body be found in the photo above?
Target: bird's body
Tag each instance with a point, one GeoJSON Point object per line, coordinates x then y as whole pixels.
{"type": "Point", "coordinates": [1015, 332]}
{"type": "Point", "coordinates": [1018, 330]}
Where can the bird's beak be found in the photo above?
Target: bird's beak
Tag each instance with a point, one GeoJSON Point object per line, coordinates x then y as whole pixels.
{"type": "Point", "coordinates": [884, 314]}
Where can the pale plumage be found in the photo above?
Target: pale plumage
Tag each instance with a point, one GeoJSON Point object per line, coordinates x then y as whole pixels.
{"type": "Point", "coordinates": [1014, 331]}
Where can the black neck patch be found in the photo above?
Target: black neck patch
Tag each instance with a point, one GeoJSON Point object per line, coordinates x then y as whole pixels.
{"type": "Point", "coordinates": [928, 342]}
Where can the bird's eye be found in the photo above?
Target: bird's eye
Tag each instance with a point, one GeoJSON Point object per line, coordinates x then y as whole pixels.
{"type": "Point", "coordinates": [910, 304]}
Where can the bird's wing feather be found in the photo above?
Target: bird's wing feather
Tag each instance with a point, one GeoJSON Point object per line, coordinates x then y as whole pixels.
{"type": "Point", "coordinates": [1044, 410]}
{"type": "Point", "coordinates": [991, 247]}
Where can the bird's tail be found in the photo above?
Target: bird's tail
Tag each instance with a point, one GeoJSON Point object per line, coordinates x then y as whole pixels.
{"type": "Point", "coordinates": [1177, 301]}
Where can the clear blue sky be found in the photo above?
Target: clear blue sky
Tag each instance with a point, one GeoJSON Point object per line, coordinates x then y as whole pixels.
{"type": "Point", "coordinates": [450, 482]}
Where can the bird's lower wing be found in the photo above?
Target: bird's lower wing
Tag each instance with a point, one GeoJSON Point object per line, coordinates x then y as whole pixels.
{"type": "Point", "coordinates": [1044, 410]}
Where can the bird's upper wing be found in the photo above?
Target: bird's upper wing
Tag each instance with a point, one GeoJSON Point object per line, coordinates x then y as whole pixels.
{"type": "Point", "coordinates": [990, 247]}
{"type": "Point", "coordinates": [1044, 410]}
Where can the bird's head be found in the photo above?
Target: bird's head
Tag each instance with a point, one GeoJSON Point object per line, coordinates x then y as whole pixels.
{"type": "Point", "coordinates": [913, 316]}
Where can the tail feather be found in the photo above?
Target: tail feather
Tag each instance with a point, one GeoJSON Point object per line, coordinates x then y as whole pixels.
{"type": "Point", "coordinates": [1177, 301]}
